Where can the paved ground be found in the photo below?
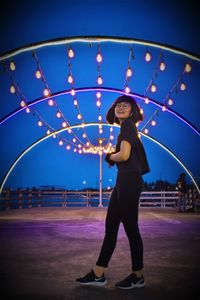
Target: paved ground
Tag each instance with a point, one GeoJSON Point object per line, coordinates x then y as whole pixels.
{"type": "Point", "coordinates": [43, 250]}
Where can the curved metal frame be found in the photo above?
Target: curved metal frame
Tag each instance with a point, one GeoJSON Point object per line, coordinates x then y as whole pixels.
{"type": "Point", "coordinates": [92, 124]}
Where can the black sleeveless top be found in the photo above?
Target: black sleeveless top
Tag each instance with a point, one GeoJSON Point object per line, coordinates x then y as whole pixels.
{"type": "Point", "coordinates": [137, 161]}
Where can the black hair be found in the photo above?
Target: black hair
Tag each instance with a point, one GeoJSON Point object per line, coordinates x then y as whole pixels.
{"type": "Point", "coordinates": [136, 115]}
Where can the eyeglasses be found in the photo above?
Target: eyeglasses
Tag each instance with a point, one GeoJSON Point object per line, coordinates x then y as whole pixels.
{"type": "Point", "coordinates": [122, 105]}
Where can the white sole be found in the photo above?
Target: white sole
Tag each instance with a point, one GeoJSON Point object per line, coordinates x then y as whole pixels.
{"type": "Point", "coordinates": [94, 283]}
{"type": "Point", "coordinates": [131, 287]}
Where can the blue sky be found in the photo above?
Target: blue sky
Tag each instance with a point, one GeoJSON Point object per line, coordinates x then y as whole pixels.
{"type": "Point", "coordinates": [174, 23]}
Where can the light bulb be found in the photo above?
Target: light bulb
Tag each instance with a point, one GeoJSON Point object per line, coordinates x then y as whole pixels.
{"type": "Point", "coordinates": [84, 135]}
{"type": "Point", "coordinates": [22, 103]}
{"type": "Point", "coordinates": [112, 137]}
{"type": "Point", "coordinates": [12, 89]}
{"type": "Point", "coordinates": [50, 102]}
{"type": "Point", "coordinates": [100, 131]}
{"type": "Point", "coordinates": [99, 58]}
{"type": "Point", "coordinates": [98, 94]}
{"type": "Point", "coordinates": [69, 130]}
{"type": "Point", "coordinates": [48, 132]}
{"type": "Point", "coordinates": [28, 110]}
{"type": "Point", "coordinates": [73, 92]}
{"type": "Point", "coordinates": [146, 130]}
{"type": "Point", "coordinates": [60, 142]}
{"type": "Point", "coordinates": [99, 118]}
{"type": "Point", "coordinates": [170, 101]}
{"type": "Point", "coordinates": [98, 103]}
{"type": "Point", "coordinates": [148, 57]}
{"type": "Point", "coordinates": [153, 122]}
{"type": "Point", "coordinates": [64, 124]}
{"type": "Point", "coordinates": [99, 80]}
{"type": "Point", "coordinates": [54, 136]}
{"type": "Point", "coordinates": [75, 102]}
{"type": "Point", "coordinates": [79, 116]}
{"type": "Point", "coordinates": [70, 79]}
{"type": "Point", "coordinates": [68, 147]}
{"type": "Point", "coordinates": [38, 74]}
{"type": "Point", "coordinates": [58, 114]}
{"type": "Point", "coordinates": [70, 53]}
{"type": "Point", "coordinates": [40, 123]}
{"type": "Point", "coordinates": [182, 86]}
{"type": "Point", "coordinates": [127, 89]}
{"type": "Point", "coordinates": [146, 100]}
{"type": "Point", "coordinates": [74, 140]}
{"type": "Point", "coordinates": [188, 68]}
{"type": "Point", "coordinates": [153, 88]}
{"type": "Point", "coordinates": [12, 66]}
{"type": "Point", "coordinates": [129, 72]}
{"type": "Point", "coordinates": [75, 150]}
{"type": "Point", "coordinates": [46, 92]}
{"type": "Point", "coordinates": [164, 108]}
{"type": "Point", "coordinates": [162, 66]}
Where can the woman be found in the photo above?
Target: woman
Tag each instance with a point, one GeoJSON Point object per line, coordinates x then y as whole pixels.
{"type": "Point", "coordinates": [132, 163]}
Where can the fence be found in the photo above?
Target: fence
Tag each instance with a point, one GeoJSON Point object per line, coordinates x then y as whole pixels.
{"type": "Point", "coordinates": [39, 198]}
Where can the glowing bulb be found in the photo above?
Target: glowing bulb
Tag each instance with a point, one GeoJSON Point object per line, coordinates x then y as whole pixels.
{"type": "Point", "coordinates": [141, 111]}
{"type": "Point", "coordinates": [60, 142]}
{"type": "Point", "coordinates": [69, 130]}
{"type": "Point", "coordinates": [58, 114]}
{"type": "Point", "coordinates": [182, 86]}
{"type": "Point", "coordinates": [99, 80]}
{"type": "Point", "coordinates": [68, 147]}
{"type": "Point", "coordinates": [50, 102]}
{"type": "Point", "coordinates": [80, 151]}
{"type": "Point", "coordinates": [127, 89]}
{"type": "Point", "coordinates": [28, 110]}
{"type": "Point", "coordinates": [112, 137]}
{"type": "Point", "coordinates": [48, 132]}
{"type": "Point", "coordinates": [12, 66]}
{"type": "Point", "coordinates": [146, 100]}
{"type": "Point", "coordinates": [111, 129]}
{"type": "Point", "coordinates": [100, 125]}
{"type": "Point", "coordinates": [170, 101]}
{"type": "Point", "coordinates": [40, 123]}
{"type": "Point", "coordinates": [100, 131]}
{"type": "Point", "coordinates": [129, 72]}
{"type": "Point", "coordinates": [84, 135]}
{"type": "Point", "coordinates": [79, 145]}
{"type": "Point", "coordinates": [38, 74]}
{"type": "Point", "coordinates": [54, 135]}
{"type": "Point", "coordinates": [70, 53]}
{"type": "Point", "coordinates": [12, 89]}
{"type": "Point", "coordinates": [75, 102]}
{"type": "Point", "coordinates": [75, 150]}
{"type": "Point", "coordinates": [64, 124]}
{"type": "Point", "coordinates": [99, 118]}
{"type": "Point", "coordinates": [79, 116]}
{"type": "Point", "coordinates": [146, 130]}
{"type": "Point", "coordinates": [73, 92]}
{"type": "Point", "coordinates": [70, 79]}
{"type": "Point", "coordinates": [188, 68]}
{"type": "Point", "coordinates": [46, 92]}
{"type": "Point", "coordinates": [153, 123]}
{"type": "Point", "coordinates": [162, 66]}
{"type": "Point", "coordinates": [98, 94]}
{"type": "Point", "coordinates": [82, 125]}
{"type": "Point", "coordinates": [153, 88]}
{"type": "Point", "coordinates": [98, 103]}
{"type": "Point", "coordinates": [164, 108]}
{"type": "Point", "coordinates": [74, 140]}
{"type": "Point", "coordinates": [100, 141]}
{"type": "Point", "coordinates": [148, 56]}
{"type": "Point", "coordinates": [22, 103]}
{"type": "Point", "coordinates": [99, 58]}
{"type": "Point", "coordinates": [87, 143]}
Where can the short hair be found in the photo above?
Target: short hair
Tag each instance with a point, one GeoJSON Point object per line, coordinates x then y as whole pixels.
{"type": "Point", "coordinates": [136, 115]}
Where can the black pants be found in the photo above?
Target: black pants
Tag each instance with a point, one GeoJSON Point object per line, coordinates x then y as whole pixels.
{"type": "Point", "coordinates": [123, 207]}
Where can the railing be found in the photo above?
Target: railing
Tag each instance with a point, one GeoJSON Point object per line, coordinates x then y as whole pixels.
{"type": "Point", "coordinates": [39, 198]}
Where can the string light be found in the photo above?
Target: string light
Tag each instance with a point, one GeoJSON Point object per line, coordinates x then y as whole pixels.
{"type": "Point", "coordinates": [70, 53]}
{"type": "Point", "coordinates": [46, 92]}
{"type": "Point", "coordinates": [28, 110]}
{"type": "Point", "coordinates": [79, 116]}
{"type": "Point", "coordinates": [182, 86]}
{"type": "Point", "coordinates": [48, 132]}
{"type": "Point", "coordinates": [146, 130]}
{"type": "Point", "coordinates": [170, 101]}
{"type": "Point", "coordinates": [99, 58]}
{"type": "Point", "coordinates": [188, 68]}
{"type": "Point", "coordinates": [148, 57]}
{"type": "Point", "coordinates": [60, 142]}
{"type": "Point", "coordinates": [70, 79]}
{"type": "Point", "coordinates": [162, 66]}
{"type": "Point", "coordinates": [164, 108]}
{"type": "Point", "coordinates": [99, 80]}
{"type": "Point", "coordinates": [38, 74]}
{"type": "Point", "coordinates": [98, 103]}
{"type": "Point", "coordinates": [153, 88]}
{"type": "Point", "coordinates": [40, 123]}
{"type": "Point", "coordinates": [127, 89]}
{"type": "Point", "coordinates": [12, 66]}
{"type": "Point", "coordinates": [73, 92]}
{"type": "Point", "coordinates": [153, 123]}
{"type": "Point", "coordinates": [58, 114]}
{"type": "Point", "coordinates": [98, 94]}
{"type": "Point", "coordinates": [146, 100]}
{"type": "Point", "coordinates": [22, 103]}
{"type": "Point", "coordinates": [12, 89]}
{"type": "Point", "coordinates": [68, 147]}
{"type": "Point", "coordinates": [129, 72]}
{"type": "Point", "coordinates": [64, 124]}
{"type": "Point", "coordinates": [50, 102]}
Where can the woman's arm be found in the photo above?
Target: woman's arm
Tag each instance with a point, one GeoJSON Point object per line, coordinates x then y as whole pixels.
{"type": "Point", "coordinates": [123, 154]}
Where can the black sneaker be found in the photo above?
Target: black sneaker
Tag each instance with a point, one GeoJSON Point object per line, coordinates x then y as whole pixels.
{"type": "Point", "coordinates": [91, 279]}
{"type": "Point", "coordinates": [131, 282]}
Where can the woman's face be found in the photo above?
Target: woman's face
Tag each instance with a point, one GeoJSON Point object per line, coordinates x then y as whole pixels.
{"type": "Point", "coordinates": [122, 110]}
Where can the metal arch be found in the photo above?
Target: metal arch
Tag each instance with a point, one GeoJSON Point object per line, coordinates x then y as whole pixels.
{"type": "Point", "coordinates": [97, 39]}
{"type": "Point", "coordinates": [93, 124]}
{"type": "Point", "coordinates": [105, 89]}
